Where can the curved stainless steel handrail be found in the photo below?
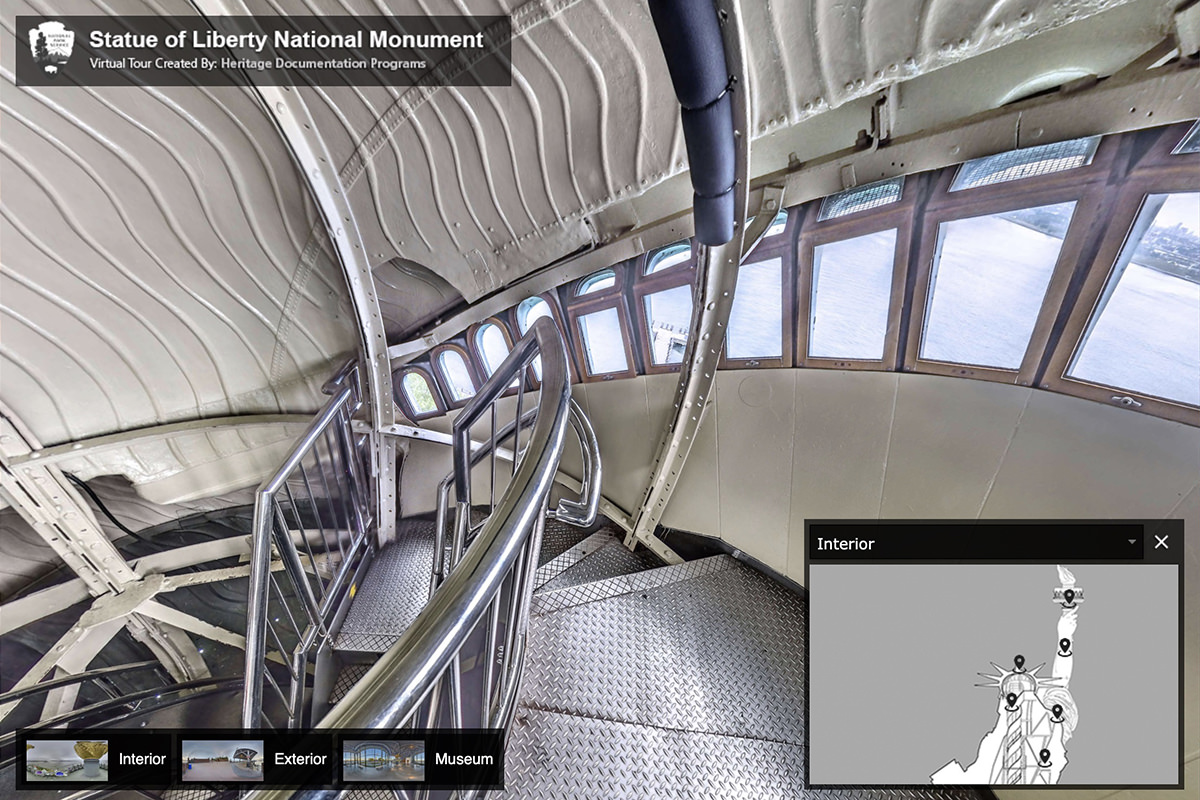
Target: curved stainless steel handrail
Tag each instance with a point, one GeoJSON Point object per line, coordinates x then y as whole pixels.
{"type": "Point", "coordinates": [398, 682]}
{"type": "Point", "coordinates": [583, 512]}
{"type": "Point", "coordinates": [412, 670]}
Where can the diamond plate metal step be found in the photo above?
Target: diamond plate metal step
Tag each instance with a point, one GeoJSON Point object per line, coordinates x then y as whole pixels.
{"type": "Point", "coordinates": [680, 682]}
{"type": "Point", "coordinates": [394, 591]}
{"type": "Point", "coordinates": [608, 558]}
{"type": "Point", "coordinates": [549, 570]}
{"type": "Point", "coordinates": [347, 677]}
{"type": "Point", "coordinates": [557, 538]}
{"type": "Point", "coordinates": [581, 593]}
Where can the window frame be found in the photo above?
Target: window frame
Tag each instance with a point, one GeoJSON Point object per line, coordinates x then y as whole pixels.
{"type": "Point", "coordinates": [1130, 199]}
{"type": "Point", "coordinates": [590, 305]}
{"type": "Point", "coordinates": [473, 341]}
{"type": "Point", "coordinates": [783, 246]}
{"type": "Point", "coordinates": [1088, 198]}
{"type": "Point", "coordinates": [619, 269]}
{"type": "Point", "coordinates": [899, 215]}
{"type": "Point", "coordinates": [401, 398]}
{"type": "Point", "coordinates": [551, 299]}
{"type": "Point", "coordinates": [459, 347]}
{"type": "Point", "coordinates": [644, 285]}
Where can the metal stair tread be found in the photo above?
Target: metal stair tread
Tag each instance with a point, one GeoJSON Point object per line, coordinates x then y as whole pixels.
{"type": "Point", "coordinates": [551, 569]}
{"type": "Point", "coordinates": [609, 559]}
{"type": "Point", "coordinates": [693, 688]}
{"type": "Point", "coordinates": [558, 599]}
{"type": "Point", "coordinates": [393, 592]}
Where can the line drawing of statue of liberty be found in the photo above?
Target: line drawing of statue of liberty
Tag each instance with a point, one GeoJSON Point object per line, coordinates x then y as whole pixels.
{"type": "Point", "coordinates": [1035, 715]}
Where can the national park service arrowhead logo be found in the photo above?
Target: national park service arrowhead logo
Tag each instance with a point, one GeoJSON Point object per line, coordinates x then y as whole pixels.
{"type": "Point", "coordinates": [52, 43]}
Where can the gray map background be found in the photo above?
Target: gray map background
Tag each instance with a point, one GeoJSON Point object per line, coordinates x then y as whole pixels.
{"type": "Point", "coordinates": [894, 652]}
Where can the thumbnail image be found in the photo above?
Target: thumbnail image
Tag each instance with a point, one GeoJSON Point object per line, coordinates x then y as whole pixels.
{"type": "Point", "coordinates": [402, 760]}
{"type": "Point", "coordinates": [66, 760]}
{"type": "Point", "coordinates": [222, 760]}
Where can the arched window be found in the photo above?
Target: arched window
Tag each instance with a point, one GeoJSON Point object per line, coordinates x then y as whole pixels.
{"type": "Point", "coordinates": [531, 310]}
{"type": "Point", "coordinates": [493, 346]}
{"type": "Point", "coordinates": [670, 256]}
{"type": "Point", "coordinates": [1026, 162]}
{"type": "Point", "coordinates": [861, 198]}
{"type": "Point", "coordinates": [456, 374]}
{"type": "Point", "coordinates": [597, 282]}
{"type": "Point", "coordinates": [418, 393]}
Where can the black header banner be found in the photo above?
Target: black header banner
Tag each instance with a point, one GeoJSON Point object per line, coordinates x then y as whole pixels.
{"type": "Point", "coordinates": [264, 51]}
{"type": "Point", "coordinates": [996, 541]}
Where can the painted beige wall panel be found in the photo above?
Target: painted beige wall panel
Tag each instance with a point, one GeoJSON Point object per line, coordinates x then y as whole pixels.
{"type": "Point", "coordinates": [1189, 509]}
{"type": "Point", "coordinates": [621, 418]}
{"type": "Point", "coordinates": [424, 467]}
{"type": "Point", "coordinates": [1073, 457]}
{"type": "Point", "coordinates": [660, 400]}
{"type": "Point", "coordinates": [755, 467]}
{"type": "Point", "coordinates": [843, 423]}
{"type": "Point", "coordinates": [948, 426]}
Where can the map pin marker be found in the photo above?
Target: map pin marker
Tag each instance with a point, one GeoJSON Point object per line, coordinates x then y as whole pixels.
{"type": "Point", "coordinates": [1019, 662]}
{"type": "Point", "coordinates": [1011, 698]}
{"type": "Point", "coordinates": [1064, 645]}
{"type": "Point", "coordinates": [1057, 709]}
{"type": "Point", "coordinates": [1069, 596]}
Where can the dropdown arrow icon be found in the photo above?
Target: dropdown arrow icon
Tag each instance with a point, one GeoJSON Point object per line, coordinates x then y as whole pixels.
{"type": "Point", "coordinates": [1133, 541]}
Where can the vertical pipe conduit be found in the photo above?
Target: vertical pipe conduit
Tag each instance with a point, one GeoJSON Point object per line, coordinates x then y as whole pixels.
{"type": "Point", "coordinates": [690, 33]}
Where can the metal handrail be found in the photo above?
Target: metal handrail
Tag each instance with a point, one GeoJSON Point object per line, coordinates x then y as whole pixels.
{"type": "Point", "coordinates": [322, 480]}
{"type": "Point", "coordinates": [419, 680]}
{"type": "Point", "coordinates": [78, 677]}
{"type": "Point", "coordinates": [582, 513]}
{"type": "Point", "coordinates": [176, 693]}
{"type": "Point", "coordinates": [389, 694]}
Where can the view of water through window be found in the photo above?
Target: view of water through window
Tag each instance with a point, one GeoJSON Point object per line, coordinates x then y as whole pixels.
{"type": "Point", "coordinates": [1145, 334]}
{"type": "Point", "coordinates": [989, 279]}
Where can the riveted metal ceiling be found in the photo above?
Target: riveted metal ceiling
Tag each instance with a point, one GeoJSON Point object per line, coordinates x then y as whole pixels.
{"type": "Point", "coordinates": [162, 260]}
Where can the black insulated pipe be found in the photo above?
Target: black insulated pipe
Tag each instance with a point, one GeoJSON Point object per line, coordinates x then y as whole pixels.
{"type": "Point", "coordinates": [690, 33]}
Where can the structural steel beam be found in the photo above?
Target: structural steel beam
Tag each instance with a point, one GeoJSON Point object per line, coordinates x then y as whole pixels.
{"type": "Point", "coordinates": [32, 607]}
{"type": "Point", "coordinates": [59, 514]}
{"type": "Point", "coordinates": [114, 441]}
{"type": "Point", "coordinates": [287, 108]}
{"type": "Point", "coordinates": [716, 278]}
